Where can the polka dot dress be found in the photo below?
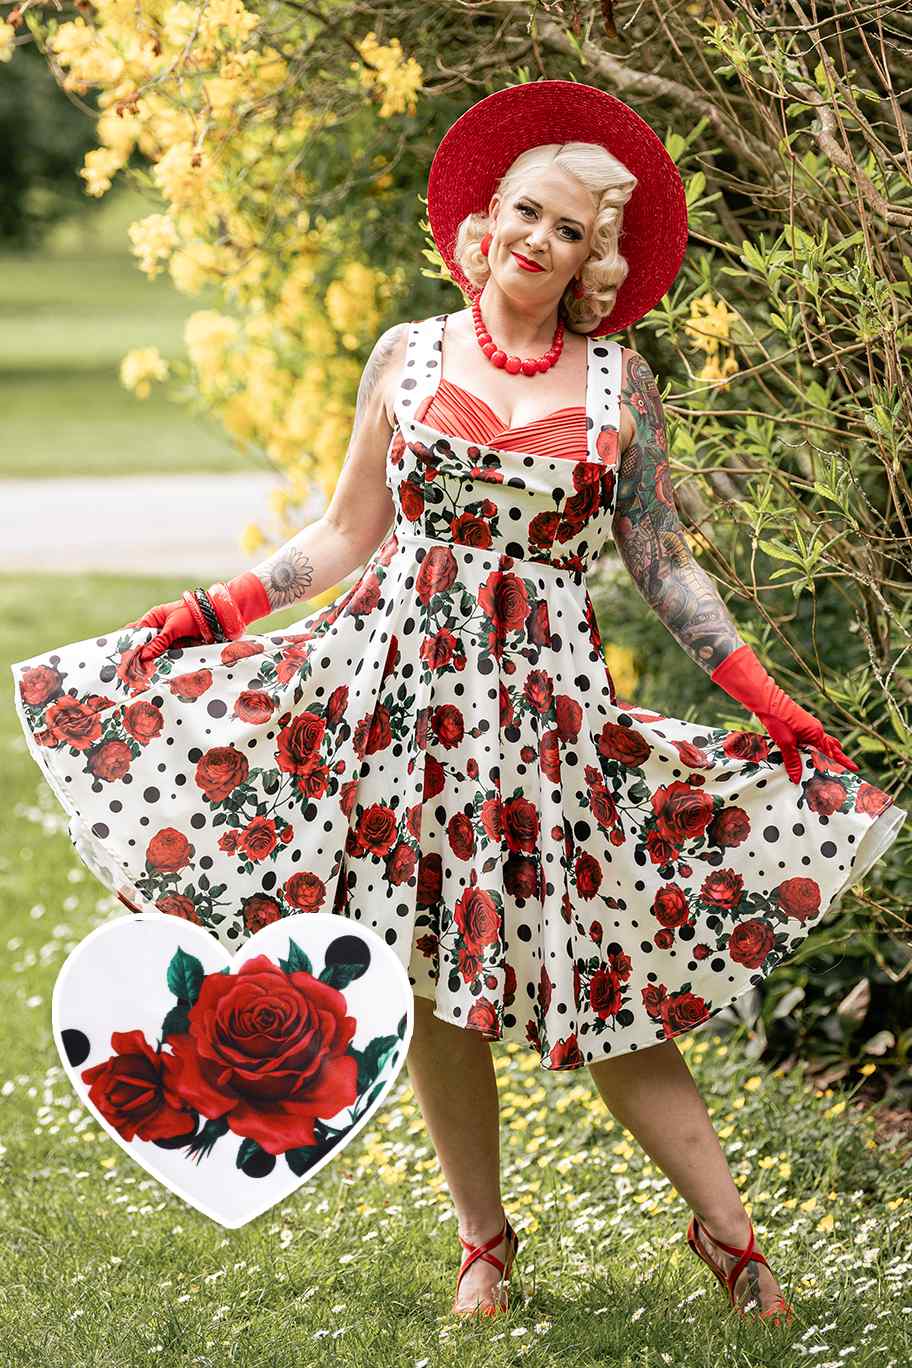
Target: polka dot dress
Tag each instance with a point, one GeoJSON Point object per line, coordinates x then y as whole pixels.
{"type": "Point", "coordinates": [441, 754]}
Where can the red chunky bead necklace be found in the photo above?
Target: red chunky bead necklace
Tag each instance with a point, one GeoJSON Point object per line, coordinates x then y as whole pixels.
{"type": "Point", "coordinates": [532, 365]}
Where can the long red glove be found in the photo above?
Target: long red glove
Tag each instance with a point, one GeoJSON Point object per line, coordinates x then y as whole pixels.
{"type": "Point", "coordinates": [176, 622]}
{"type": "Point", "coordinates": [742, 676]}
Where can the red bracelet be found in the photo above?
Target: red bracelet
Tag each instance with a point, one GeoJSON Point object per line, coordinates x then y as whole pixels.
{"type": "Point", "coordinates": [202, 626]}
{"type": "Point", "coordinates": [227, 610]}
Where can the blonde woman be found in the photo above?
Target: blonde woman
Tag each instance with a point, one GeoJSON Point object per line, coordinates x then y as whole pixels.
{"type": "Point", "coordinates": [441, 753]}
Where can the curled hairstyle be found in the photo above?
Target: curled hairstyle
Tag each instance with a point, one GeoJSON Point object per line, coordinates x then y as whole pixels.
{"type": "Point", "coordinates": [605, 270]}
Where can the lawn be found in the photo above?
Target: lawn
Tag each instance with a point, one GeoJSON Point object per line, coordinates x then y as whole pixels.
{"type": "Point", "coordinates": [106, 1267]}
{"type": "Point", "coordinates": [68, 314]}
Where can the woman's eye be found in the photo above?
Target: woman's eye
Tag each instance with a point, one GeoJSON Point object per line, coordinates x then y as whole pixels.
{"type": "Point", "coordinates": [523, 208]}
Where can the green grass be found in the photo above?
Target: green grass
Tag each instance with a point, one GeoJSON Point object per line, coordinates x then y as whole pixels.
{"type": "Point", "coordinates": [68, 314]}
{"type": "Point", "coordinates": [104, 1267]}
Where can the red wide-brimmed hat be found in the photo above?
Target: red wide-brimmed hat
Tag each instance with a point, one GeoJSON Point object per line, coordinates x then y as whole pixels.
{"type": "Point", "coordinates": [483, 142]}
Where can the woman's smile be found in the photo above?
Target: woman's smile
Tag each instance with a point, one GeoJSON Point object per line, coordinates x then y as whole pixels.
{"type": "Point", "coordinates": [525, 263]}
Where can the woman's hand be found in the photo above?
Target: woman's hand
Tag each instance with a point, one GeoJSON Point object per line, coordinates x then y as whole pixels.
{"type": "Point", "coordinates": [174, 623]}
{"type": "Point", "coordinates": [235, 605]}
{"type": "Point", "coordinates": [789, 725]}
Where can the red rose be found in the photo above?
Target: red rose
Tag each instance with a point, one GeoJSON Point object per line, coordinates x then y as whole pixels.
{"type": "Point", "coordinates": [504, 600]}
{"type": "Point", "coordinates": [461, 835]}
{"type": "Point", "coordinates": [654, 995]}
{"type": "Point", "coordinates": [267, 1051]}
{"type": "Point", "coordinates": [491, 818]}
{"type": "Point", "coordinates": [411, 501]}
{"type": "Point", "coordinates": [539, 690]}
{"type": "Point", "coordinates": [74, 721]}
{"type": "Point", "coordinates": [799, 898]}
{"type": "Point", "coordinates": [434, 778]}
{"type": "Point", "coordinates": [521, 877]}
{"type": "Point", "coordinates": [624, 744]}
{"type": "Point", "coordinates": [253, 705]}
{"type": "Point", "coordinates": [38, 684]}
{"type": "Point", "coordinates": [178, 905]}
{"type": "Point", "coordinates": [190, 686]}
{"type": "Point", "coordinates": [824, 796]}
{"type": "Point", "coordinates": [602, 806]}
{"type": "Point", "coordinates": [305, 892]}
{"type": "Point", "coordinates": [691, 755]}
{"type": "Point", "coordinates": [669, 906]}
{"type": "Point", "coordinates": [538, 625]}
{"type": "Point", "coordinates": [376, 830]}
{"type": "Point", "coordinates": [750, 942]}
{"type": "Point", "coordinates": [506, 706]}
{"type": "Point", "coordinates": [482, 1016]}
{"type": "Point", "coordinates": [379, 734]}
{"type": "Point", "coordinates": [661, 850]}
{"type": "Point", "coordinates": [469, 964]}
{"type": "Point", "coordinates": [682, 811]}
{"type": "Point", "coordinates": [430, 880]}
{"type": "Point", "coordinates": [400, 865]}
{"type": "Point", "coordinates": [520, 824]}
{"type": "Point", "coordinates": [365, 596]}
{"type": "Point", "coordinates": [565, 1054]}
{"type": "Point", "coordinates": [259, 910]}
{"type": "Point", "coordinates": [549, 755]}
{"type": "Point", "coordinates": [448, 725]}
{"type": "Point", "coordinates": [569, 716]}
{"type": "Point", "coordinates": [871, 800]}
{"type": "Point", "coordinates": [588, 875]}
{"type": "Point", "coordinates": [743, 745]}
{"type": "Point", "coordinates": [168, 851]}
{"type": "Point", "coordinates": [136, 1090]}
{"type": "Point", "coordinates": [437, 651]}
{"type": "Point", "coordinates": [604, 994]}
{"type": "Point", "coordinates": [722, 888]}
{"type": "Point", "coordinates": [681, 1011]}
{"type": "Point", "coordinates": [220, 771]}
{"type": "Point", "coordinates": [258, 839]}
{"type": "Point", "coordinates": [477, 918]}
{"type": "Point", "coordinates": [664, 939]}
{"type": "Point", "coordinates": [469, 530]}
{"type": "Point", "coordinates": [436, 573]}
{"type": "Point", "coordinates": [298, 744]}
{"type": "Point", "coordinates": [335, 707]}
{"type": "Point", "coordinates": [110, 761]}
{"type": "Point", "coordinates": [542, 528]}
{"type": "Point", "coordinates": [729, 827]}
{"type": "Point", "coordinates": [234, 651]}
{"type": "Point", "coordinates": [143, 721]}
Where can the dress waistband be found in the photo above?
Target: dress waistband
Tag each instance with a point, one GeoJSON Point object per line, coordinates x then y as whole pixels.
{"type": "Point", "coordinates": [528, 564]}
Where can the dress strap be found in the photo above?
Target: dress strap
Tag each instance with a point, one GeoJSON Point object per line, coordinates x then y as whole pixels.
{"type": "Point", "coordinates": [603, 399]}
{"type": "Point", "coordinates": [421, 369]}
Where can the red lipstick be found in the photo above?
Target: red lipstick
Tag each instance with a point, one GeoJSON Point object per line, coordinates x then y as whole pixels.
{"type": "Point", "coordinates": [526, 264]}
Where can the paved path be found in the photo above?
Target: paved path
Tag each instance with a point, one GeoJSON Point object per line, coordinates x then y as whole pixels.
{"type": "Point", "coordinates": [186, 525]}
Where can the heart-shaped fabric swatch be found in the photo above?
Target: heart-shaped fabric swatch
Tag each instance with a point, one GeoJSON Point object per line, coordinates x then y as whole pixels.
{"type": "Point", "coordinates": [232, 1079]}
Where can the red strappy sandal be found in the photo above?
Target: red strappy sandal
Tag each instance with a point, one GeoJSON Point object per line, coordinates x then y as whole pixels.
{"type": "Point", "coordinates": [483, 1251]}
{"type": "Point", "coordinates": [780, 1312]}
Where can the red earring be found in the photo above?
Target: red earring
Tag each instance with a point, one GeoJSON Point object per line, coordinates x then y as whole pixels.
{"type": "Point", "coordinates": [485, 243]}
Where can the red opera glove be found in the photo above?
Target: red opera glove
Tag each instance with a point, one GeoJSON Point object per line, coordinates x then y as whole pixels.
{"type": "Point", "coordinates": [743, 677]}
{"type": "Point", "coordinates": [236, 605]}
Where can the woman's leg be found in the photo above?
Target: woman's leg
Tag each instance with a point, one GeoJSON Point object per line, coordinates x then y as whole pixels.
{"type": "Point", "coordinates": [452, 1075]}
{"type": "Point", "coordinates": [653, 1094]}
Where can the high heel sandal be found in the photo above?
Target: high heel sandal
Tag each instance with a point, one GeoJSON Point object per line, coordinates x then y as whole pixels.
{"type": "Point", "coordinates": [779, 1311]}
{"type": "Point", "coordinates": [483, 1251]}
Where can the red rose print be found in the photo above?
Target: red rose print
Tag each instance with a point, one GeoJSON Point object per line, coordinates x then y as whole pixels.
{"type": "Point", "coordinates": [71, 720]}
{"type": "Point", "coordinates": [191, 686]}
{"type": "Point", "coordinates": [461, 835]}
{"type": "Point", "coordinates": [335, 708]}
{"type": "Point", "coordinates": [260, 910]}
{"type": "Point", "coordinates": [365, 596]}
{"type": "Point", "coordinates": [400, 865]}
{"type": "Point", "coordinates": [538, 626]}
{"type": "Point", "coordinates": [661, 850]}
{"type": "Point", "coordinates": [624, 744]}
{"type": "Point", "coordinates": [799, 898]}
{"type": "Point", "coordinates": [168, 852]}
{"type": "Point", "coordinates": [254, 706]}
{"type": "Point", "coordinates": [136, 1090]}
{"type": "Point", "coordinates": [482, 1016]}
{"type": "Point", "coordinates": [143, 721]}
{"type": "Point", "coordinates": [268, 1052]}
{"type": "Point", "coordinates": [477, 918]}
{"type": "Point", "coordinates": [430, 880]}
{"type": "Point", "coordinates": [234, 651]}
{"type": "Point", "coordinates": [520, 824]}
{"type": "Point", "coordinates": [492, 818]}
{"type": "Point", "coordinates": [569, 717]}
{"type": "Point", "coordinates": [305, 892]}
{"type": "Point", "coordinates": [411, 500]}
{"type": "Point", "coordinates": [604, 994]}
{"type": "Point", "coordinates": [258, 839]}
{"type": "Point", "coordinates": [110, 761]}
{"type": "Point", "coordinates": [750, 942]}
{"type": "Point", "coordinates": [438, 650]}
{"type": "Point", "coordinates": [722, 888]}
{"type": "Point", "coordinates": [744, 745]}
{"type": "Point", "coordinates": [549, 755]}
{"type": "Point", "coordinates": [521, 877]}
{"type": "Point", "coordinates": [669, 906]}
{"type": "Point", "coordinates": [824, 796]}
{"type": "Point", "coordinates": [565, 1053]}
{"type": "Point", "coordinates": [588, 875]}
{"type": "Point", "coordinates": [220, 771]}
{"type": "Point", "coordinates": [681, 1011]}
{"type": "Point", "coordinates": [38, 684]}
{"type": "Point", "coordinates": [436, 573]}
{"type": "Point", "coordinates": [539, 690]}
{"type": "Point", "coordinates": [871, 800]}
{"type": "Point", "coordinates": [504, 600]}
{"type": "Point", "coordinates": [298, 744]}
{"type": "Point", "coordinates": [683, 812]}
{"type": "Point", "coordinates": [447, 725]}
{"type": "Point", "coordinates": [376, 830]}
{"type": "Point", "coordinates": [469, 530]}
{"type": "Point", "coordinates": [543, 528]}
{"type": "Point", "coordinates": [469, 964]}
{"type": "Point", "coordinates": [178, 905]}
{"type": "Point", "coordinates": [729, 827]}
{"type": "Point", "coordinates": [434, 778]}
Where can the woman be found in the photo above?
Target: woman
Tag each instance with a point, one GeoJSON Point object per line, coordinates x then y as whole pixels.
{"type": "Point", "coordinates": [453, 763]}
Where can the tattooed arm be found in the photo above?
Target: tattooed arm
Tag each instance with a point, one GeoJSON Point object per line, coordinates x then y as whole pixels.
{"type": "Point", "coordinates": [649, 535]}
{"type": "Point", "coordinates": [361, 509]}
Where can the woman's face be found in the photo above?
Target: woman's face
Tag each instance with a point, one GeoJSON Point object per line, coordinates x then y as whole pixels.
{"type": "Point", "coordinates": [548, 221]}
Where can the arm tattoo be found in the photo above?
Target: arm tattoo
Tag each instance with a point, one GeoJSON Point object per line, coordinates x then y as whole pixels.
{"type": "Point", "coordinates": [650, 538]}
{"type": "Point", "coordinates": [287, 576]}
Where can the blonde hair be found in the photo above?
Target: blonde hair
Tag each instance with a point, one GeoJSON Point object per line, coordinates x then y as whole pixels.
{"type": "Point", "coordinates": [605, 270]}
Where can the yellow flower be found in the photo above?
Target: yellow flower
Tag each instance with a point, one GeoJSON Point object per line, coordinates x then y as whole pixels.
{"type": "Point", "coordinates": [7, 41]}
{"type": "Point", "coordinates": [154, 238]}
{"type": "Point", "coordinates": [101, 163]}
{"type": "Point", "coordinates": [139, 367]}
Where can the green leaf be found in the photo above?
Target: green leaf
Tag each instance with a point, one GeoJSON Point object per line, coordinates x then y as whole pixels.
{"type": "Point", "coordinates": [298, 960]}
{"type": "Point", "coordinates": [185, 975]}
